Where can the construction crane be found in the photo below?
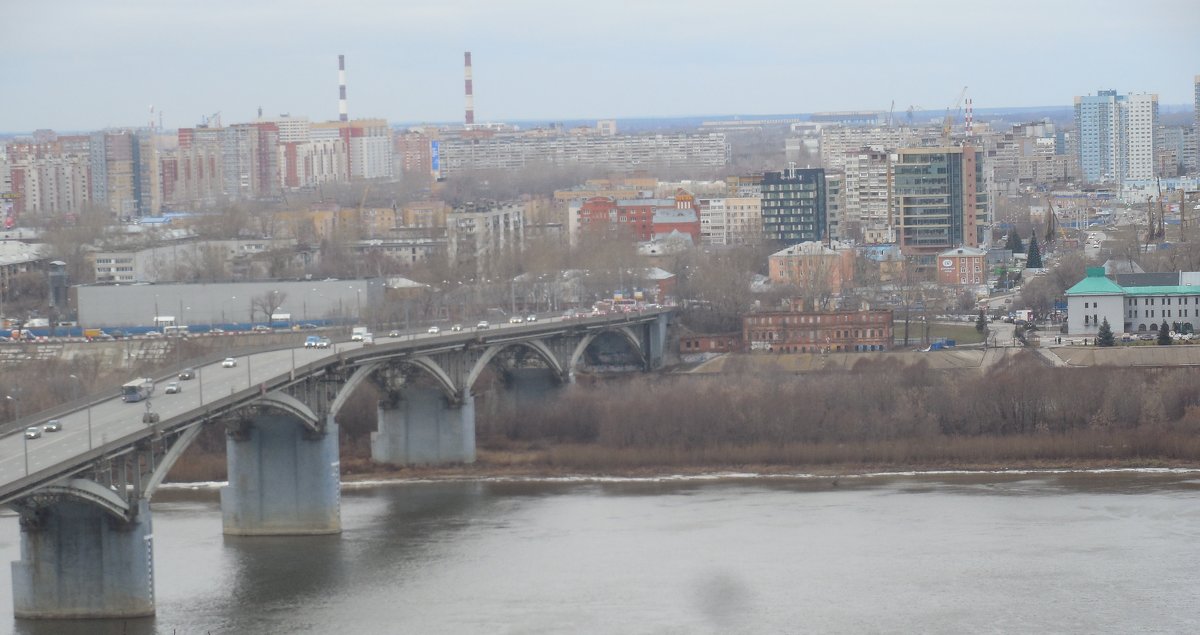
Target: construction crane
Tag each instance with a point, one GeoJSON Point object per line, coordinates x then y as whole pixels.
{"type": "Point", "coordinates": [948, 122]}
{"type": "Point", "coordinates": [891, 112]}
{"type": "Point", "coordinates": [1051, 223]}
{"type": "Point", "coordinates": [1161, 231]}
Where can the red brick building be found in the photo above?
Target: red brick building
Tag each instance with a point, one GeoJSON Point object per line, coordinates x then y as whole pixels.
{"type": "Point", "coordinates": [629, 218]}
{"type": "Point", "coordinates": [965, 265]}
{"type": "Point", "coordinates": [833, 332]}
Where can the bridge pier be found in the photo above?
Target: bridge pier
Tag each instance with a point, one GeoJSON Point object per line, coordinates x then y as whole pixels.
{"type": "Point", "coordinates": [79, 561]}
{"type": "Point", "coordinates": [419, 426]}
{"type": "Point", "coordinates": [284, 479]}
{"type": "Point", "coordinates": [656, 342]}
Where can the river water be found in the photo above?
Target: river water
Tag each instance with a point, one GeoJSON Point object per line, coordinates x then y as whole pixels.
{"type": "Point", "coordinates": [1114, 552]}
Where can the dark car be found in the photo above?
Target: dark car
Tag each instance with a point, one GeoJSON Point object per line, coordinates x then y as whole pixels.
{"type": "Point", "coordinates": [187, 373]}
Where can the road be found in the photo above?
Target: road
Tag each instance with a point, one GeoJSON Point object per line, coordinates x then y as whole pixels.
{"type": "Point", "coordinates": [112, 418]}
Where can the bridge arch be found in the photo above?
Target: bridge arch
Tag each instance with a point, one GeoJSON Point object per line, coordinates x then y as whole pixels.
{"type": "Point", "coordinates": [425, 363]}
{"type": "Point", "coordinates": [286, 403]}
{"type": "Point", "coordinates": [80, 489]}
{"type": "Point", "coordinates": [624, 331]}
{"type": "Point", "coordinates": [537, 346]}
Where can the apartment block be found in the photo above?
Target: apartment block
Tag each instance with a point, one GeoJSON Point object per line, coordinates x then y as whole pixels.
{"type": "Point", "coordinates": [50, 177]}
{"type": "Point", "coordinates": [868, 189]}
{"type": "Point", "coordinates": [479, 234]}
{"type": "Point", "coordinates": [516, 151]}
{"type": "Point", "coordinates": [1116, 136]}
{"type": "Point", "coordinates": [837, 142]}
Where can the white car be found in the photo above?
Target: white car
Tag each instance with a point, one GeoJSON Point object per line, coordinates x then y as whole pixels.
{"type": "Point", "coordinates": [531, 318]}
{"type": "Point", "coordinates": [483, 325]}
{"type": "Point", "coordinates": [173, 388]}
{"type": "Point", "coordinates": [434, 330]}
{"type": "Point", "coordinates": [229, 362]}
{"type": "Point", "coordinates": [33, 432]}
{"type": "Point", "coordinates": [516, 319]}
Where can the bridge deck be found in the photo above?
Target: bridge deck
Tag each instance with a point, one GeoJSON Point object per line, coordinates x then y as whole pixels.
{"type": "Point", "coordinates": [107, 426]}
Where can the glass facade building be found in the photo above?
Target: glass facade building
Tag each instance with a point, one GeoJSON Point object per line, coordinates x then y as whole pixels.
{"type": "Point", "coordinates": [794, 207]}
{"type": "Point", "coordinates": [940, 200]}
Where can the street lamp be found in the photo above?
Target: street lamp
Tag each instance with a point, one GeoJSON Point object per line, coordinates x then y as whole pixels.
{"type": "Point", "coordinates": [89, 409]}
{"type": "Point", "coordinates": [24, 438]}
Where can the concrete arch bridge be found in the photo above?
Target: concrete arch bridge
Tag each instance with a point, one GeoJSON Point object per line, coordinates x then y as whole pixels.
{"type": "Point", "coordinates": [83, 492]}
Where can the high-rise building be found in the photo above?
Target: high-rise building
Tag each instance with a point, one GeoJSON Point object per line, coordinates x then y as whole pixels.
{"type": "Point", "coordinates": [1116, 136]}
{"type": "Point", "coordinates": [835, 208]}
{"type": "Point", "coordinates": [867, 190]}
{"type": "Point", "coordinates": [125, 172]}
{"type": "Point", "coordinates": [794, 206]}
{"type": "Point", "coordinates": [48, 176]}
{"type": "Point", "coordinates": [940, 200]}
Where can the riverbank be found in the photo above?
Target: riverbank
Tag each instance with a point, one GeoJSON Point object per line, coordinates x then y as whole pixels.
{"type": "Point", "coordinates": [487, 469]}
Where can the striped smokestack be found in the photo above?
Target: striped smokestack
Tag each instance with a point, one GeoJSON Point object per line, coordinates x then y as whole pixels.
{"type": "Point", "coordinates": [343, 114]}
{"type": "Point", "coordinates": [470, 94]}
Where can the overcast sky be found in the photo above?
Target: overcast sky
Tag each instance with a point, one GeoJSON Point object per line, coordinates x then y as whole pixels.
{"type": "Point", "coordinates": [87, 64]}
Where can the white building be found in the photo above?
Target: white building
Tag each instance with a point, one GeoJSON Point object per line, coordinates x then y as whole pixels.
{"type": "Point", "coordinates": [1116, 136]}
{"type": "Point", "coordinates": [1139, 305]}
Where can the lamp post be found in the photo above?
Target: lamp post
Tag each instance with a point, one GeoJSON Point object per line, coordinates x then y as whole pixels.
{"type": "Point", "coordinates": [17, 411]}
{"type": "Point", "coordinates": [89, 409]}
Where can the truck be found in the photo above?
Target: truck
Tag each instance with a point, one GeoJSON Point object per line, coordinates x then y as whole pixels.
{"type": "Point", "coordinates": [357, 333]}
{"type": "Point", "coordinates": [137, 389]}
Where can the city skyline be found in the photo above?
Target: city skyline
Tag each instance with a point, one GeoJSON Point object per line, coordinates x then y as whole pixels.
{"type": "Point", "coordinates": [90, 66]}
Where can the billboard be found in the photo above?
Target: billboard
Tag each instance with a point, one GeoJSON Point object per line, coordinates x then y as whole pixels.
{"type": "Point", "coordinates": [435, 159]}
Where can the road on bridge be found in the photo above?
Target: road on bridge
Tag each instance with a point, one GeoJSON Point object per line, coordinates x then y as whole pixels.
{"type": "Point", "coordinates": [112, 419]}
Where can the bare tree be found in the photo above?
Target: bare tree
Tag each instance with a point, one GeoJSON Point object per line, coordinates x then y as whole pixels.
{"type": "Point", "coordinates": [267, 303]}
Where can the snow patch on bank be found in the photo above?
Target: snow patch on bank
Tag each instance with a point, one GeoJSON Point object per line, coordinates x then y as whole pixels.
{"type": "Point", "coordinates": [711, 476]}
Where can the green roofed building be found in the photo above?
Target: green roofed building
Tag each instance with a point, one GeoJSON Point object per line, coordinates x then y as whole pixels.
{"type": "Point", "coordinates": [1139, 304]}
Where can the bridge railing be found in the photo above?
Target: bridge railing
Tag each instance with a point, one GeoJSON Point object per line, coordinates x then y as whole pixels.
{"type": "Point", "coordinates": [125, 443]}
{"type": "Point", "coordinates": [203, 413]}
{"type": "Point", "coordinates": [86, 401]}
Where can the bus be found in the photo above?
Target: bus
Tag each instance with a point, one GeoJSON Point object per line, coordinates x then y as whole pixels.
{"type": "Point", "coordinates": [175, 331]}
{"type": "Point", "coordinates": [137, 389]}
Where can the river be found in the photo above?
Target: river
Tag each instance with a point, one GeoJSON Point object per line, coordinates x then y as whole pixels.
{"type": "Point", "coordinates": [1115, 552]}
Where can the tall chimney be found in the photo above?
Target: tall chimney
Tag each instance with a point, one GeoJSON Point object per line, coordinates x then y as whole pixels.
{"type": "Point", "coordinates": [342, 112]}
{"type": "Point", "coordinates": [470, 93]}
{"type": "Point", "coordinates": [969, 122]}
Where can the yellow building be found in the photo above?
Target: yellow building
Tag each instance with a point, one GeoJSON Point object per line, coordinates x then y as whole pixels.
{"type": "Point", "coordinates": [424, 214]}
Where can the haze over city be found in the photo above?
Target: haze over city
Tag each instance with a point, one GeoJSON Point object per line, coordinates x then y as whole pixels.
{"type": "Point", "coordinates": [76, 65]}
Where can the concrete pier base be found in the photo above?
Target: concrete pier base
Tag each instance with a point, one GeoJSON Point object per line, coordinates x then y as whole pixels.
{"type": "Point", "coordinates": [423, 428]}
{"type": "Point", "coordinates": [81, 562]}
{"type": "Point", "coordinates": [284, 479]}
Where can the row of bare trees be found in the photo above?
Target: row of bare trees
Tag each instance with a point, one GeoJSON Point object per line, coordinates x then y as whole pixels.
{"type": "Point", "coordinates": [879, 400]}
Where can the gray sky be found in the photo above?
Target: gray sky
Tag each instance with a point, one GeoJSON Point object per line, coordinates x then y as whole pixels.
{"type": "Point", "coordinates": [87, 64]}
